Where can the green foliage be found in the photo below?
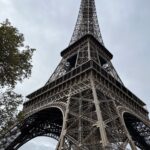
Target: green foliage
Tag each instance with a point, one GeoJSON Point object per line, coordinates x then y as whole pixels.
{"type": "Point", "coordinates": [20, 116]}
{"type": "Point", "coordinates": [15, 58]}
{"type": "Point", "coordinates": [9, 101]}
{"type": "Point", "coordinates": [15, 65]}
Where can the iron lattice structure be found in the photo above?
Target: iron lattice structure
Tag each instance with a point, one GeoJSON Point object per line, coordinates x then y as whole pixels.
{"type": "Point", "coordinates": [87, 22]}
{"type": "Point", "coordinates": [84, 105]}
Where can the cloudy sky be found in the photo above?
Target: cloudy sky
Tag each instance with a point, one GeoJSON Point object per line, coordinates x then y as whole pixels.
{"type": "Point", "coordinates": [48, 25]}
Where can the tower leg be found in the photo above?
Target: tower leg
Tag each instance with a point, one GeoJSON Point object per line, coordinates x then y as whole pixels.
{"type": "Point", "coordinates": [100, 122]}
{"type": "Point", "coordinates": [92, 121]}
{"type": "Point", "coordinates": [60, 145]}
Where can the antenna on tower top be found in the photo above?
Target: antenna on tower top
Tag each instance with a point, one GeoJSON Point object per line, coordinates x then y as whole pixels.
{"type": "Point", "coordinates": [87, 22]}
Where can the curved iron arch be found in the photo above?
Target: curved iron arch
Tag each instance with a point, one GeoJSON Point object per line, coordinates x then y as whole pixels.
{"type": "Point", "coordinates": [46, 122]}
{"type": "Point", "coordinates": [60, 105]}
{"type": "Point", "coordinates": [137, 127]}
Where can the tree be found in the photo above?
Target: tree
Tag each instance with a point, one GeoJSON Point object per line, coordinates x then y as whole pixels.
{"type": "Point", "coordinates": [15, 58]}
{"type": "Point", "coordinates": [15, 65]}
{"type": "Point", "coordinates": [9, 101]}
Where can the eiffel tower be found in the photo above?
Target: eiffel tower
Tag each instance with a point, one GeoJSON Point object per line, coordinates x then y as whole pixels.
{"type": "Point", "coordinates": [84, 104]}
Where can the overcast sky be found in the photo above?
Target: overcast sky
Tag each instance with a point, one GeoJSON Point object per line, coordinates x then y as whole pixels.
{"type": "Point", "coordinates": [48, 25]}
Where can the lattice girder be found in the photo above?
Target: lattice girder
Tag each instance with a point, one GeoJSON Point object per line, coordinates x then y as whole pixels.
{"type": "Point", "coordinates": [87, 22]}
{"type": "Point", "coordinates": [82, 121]}
{"type": "Point", "coordinates": [90, 96]}
{"type": "Point", "coordinates": [87, 49]}
{"type": "Point", "coordinates": [47, 122]}
{"type": "Point", "coordinates": [82, 126]}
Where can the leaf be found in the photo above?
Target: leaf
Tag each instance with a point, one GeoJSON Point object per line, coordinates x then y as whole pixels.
{"type": "Point", "coordinates": [15, 57]}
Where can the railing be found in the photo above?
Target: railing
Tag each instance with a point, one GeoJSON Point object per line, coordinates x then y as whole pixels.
{"type": "Point", "coordinates": [81, 69]}
{"type": "Point", "coordinates": [118, 84]}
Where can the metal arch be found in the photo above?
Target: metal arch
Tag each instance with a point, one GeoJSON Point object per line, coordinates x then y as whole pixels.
{"type": "Point", "coordinates": [146, 123]}
{"type": "Point", "coordinates": [139, 132]}
{"type": "Point", "coordinates": [28, 131]}
{"type": "Point", "coordinates": [123, 110]}
{"type": "Point", "coordinates": [60, 105]}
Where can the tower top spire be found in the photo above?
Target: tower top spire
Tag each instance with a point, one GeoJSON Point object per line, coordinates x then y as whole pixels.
{"type": "Point", "coordinates": [87, 22]}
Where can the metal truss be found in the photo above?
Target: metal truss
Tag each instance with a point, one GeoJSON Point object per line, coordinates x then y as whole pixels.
{"type": "Point", "coordinates": [139, 131]}
{"type": "Point", "coordinates": [81, 53]}
{"type": "Point", "coordinates": [87, 22]}
{"type": "Point", "coordinates": [91, 121]}
{"type": "Point", "coordinates": [84, 104]}
{"type": "Point", "coordinates": [59, 71]}
{"type": "Point", "coordinates": [44, 123]}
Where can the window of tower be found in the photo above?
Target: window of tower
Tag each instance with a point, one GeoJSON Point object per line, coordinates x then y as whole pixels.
{"type": "Point", "coordinates": [102, 61]}
{"type": "Point", "coordinates": [71, 62]}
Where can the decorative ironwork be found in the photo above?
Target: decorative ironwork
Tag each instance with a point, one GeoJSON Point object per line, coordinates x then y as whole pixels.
{"type": "Point", "coordinates": [84, 105]}
{"type": "Point", "coordinates": [87, 22]}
